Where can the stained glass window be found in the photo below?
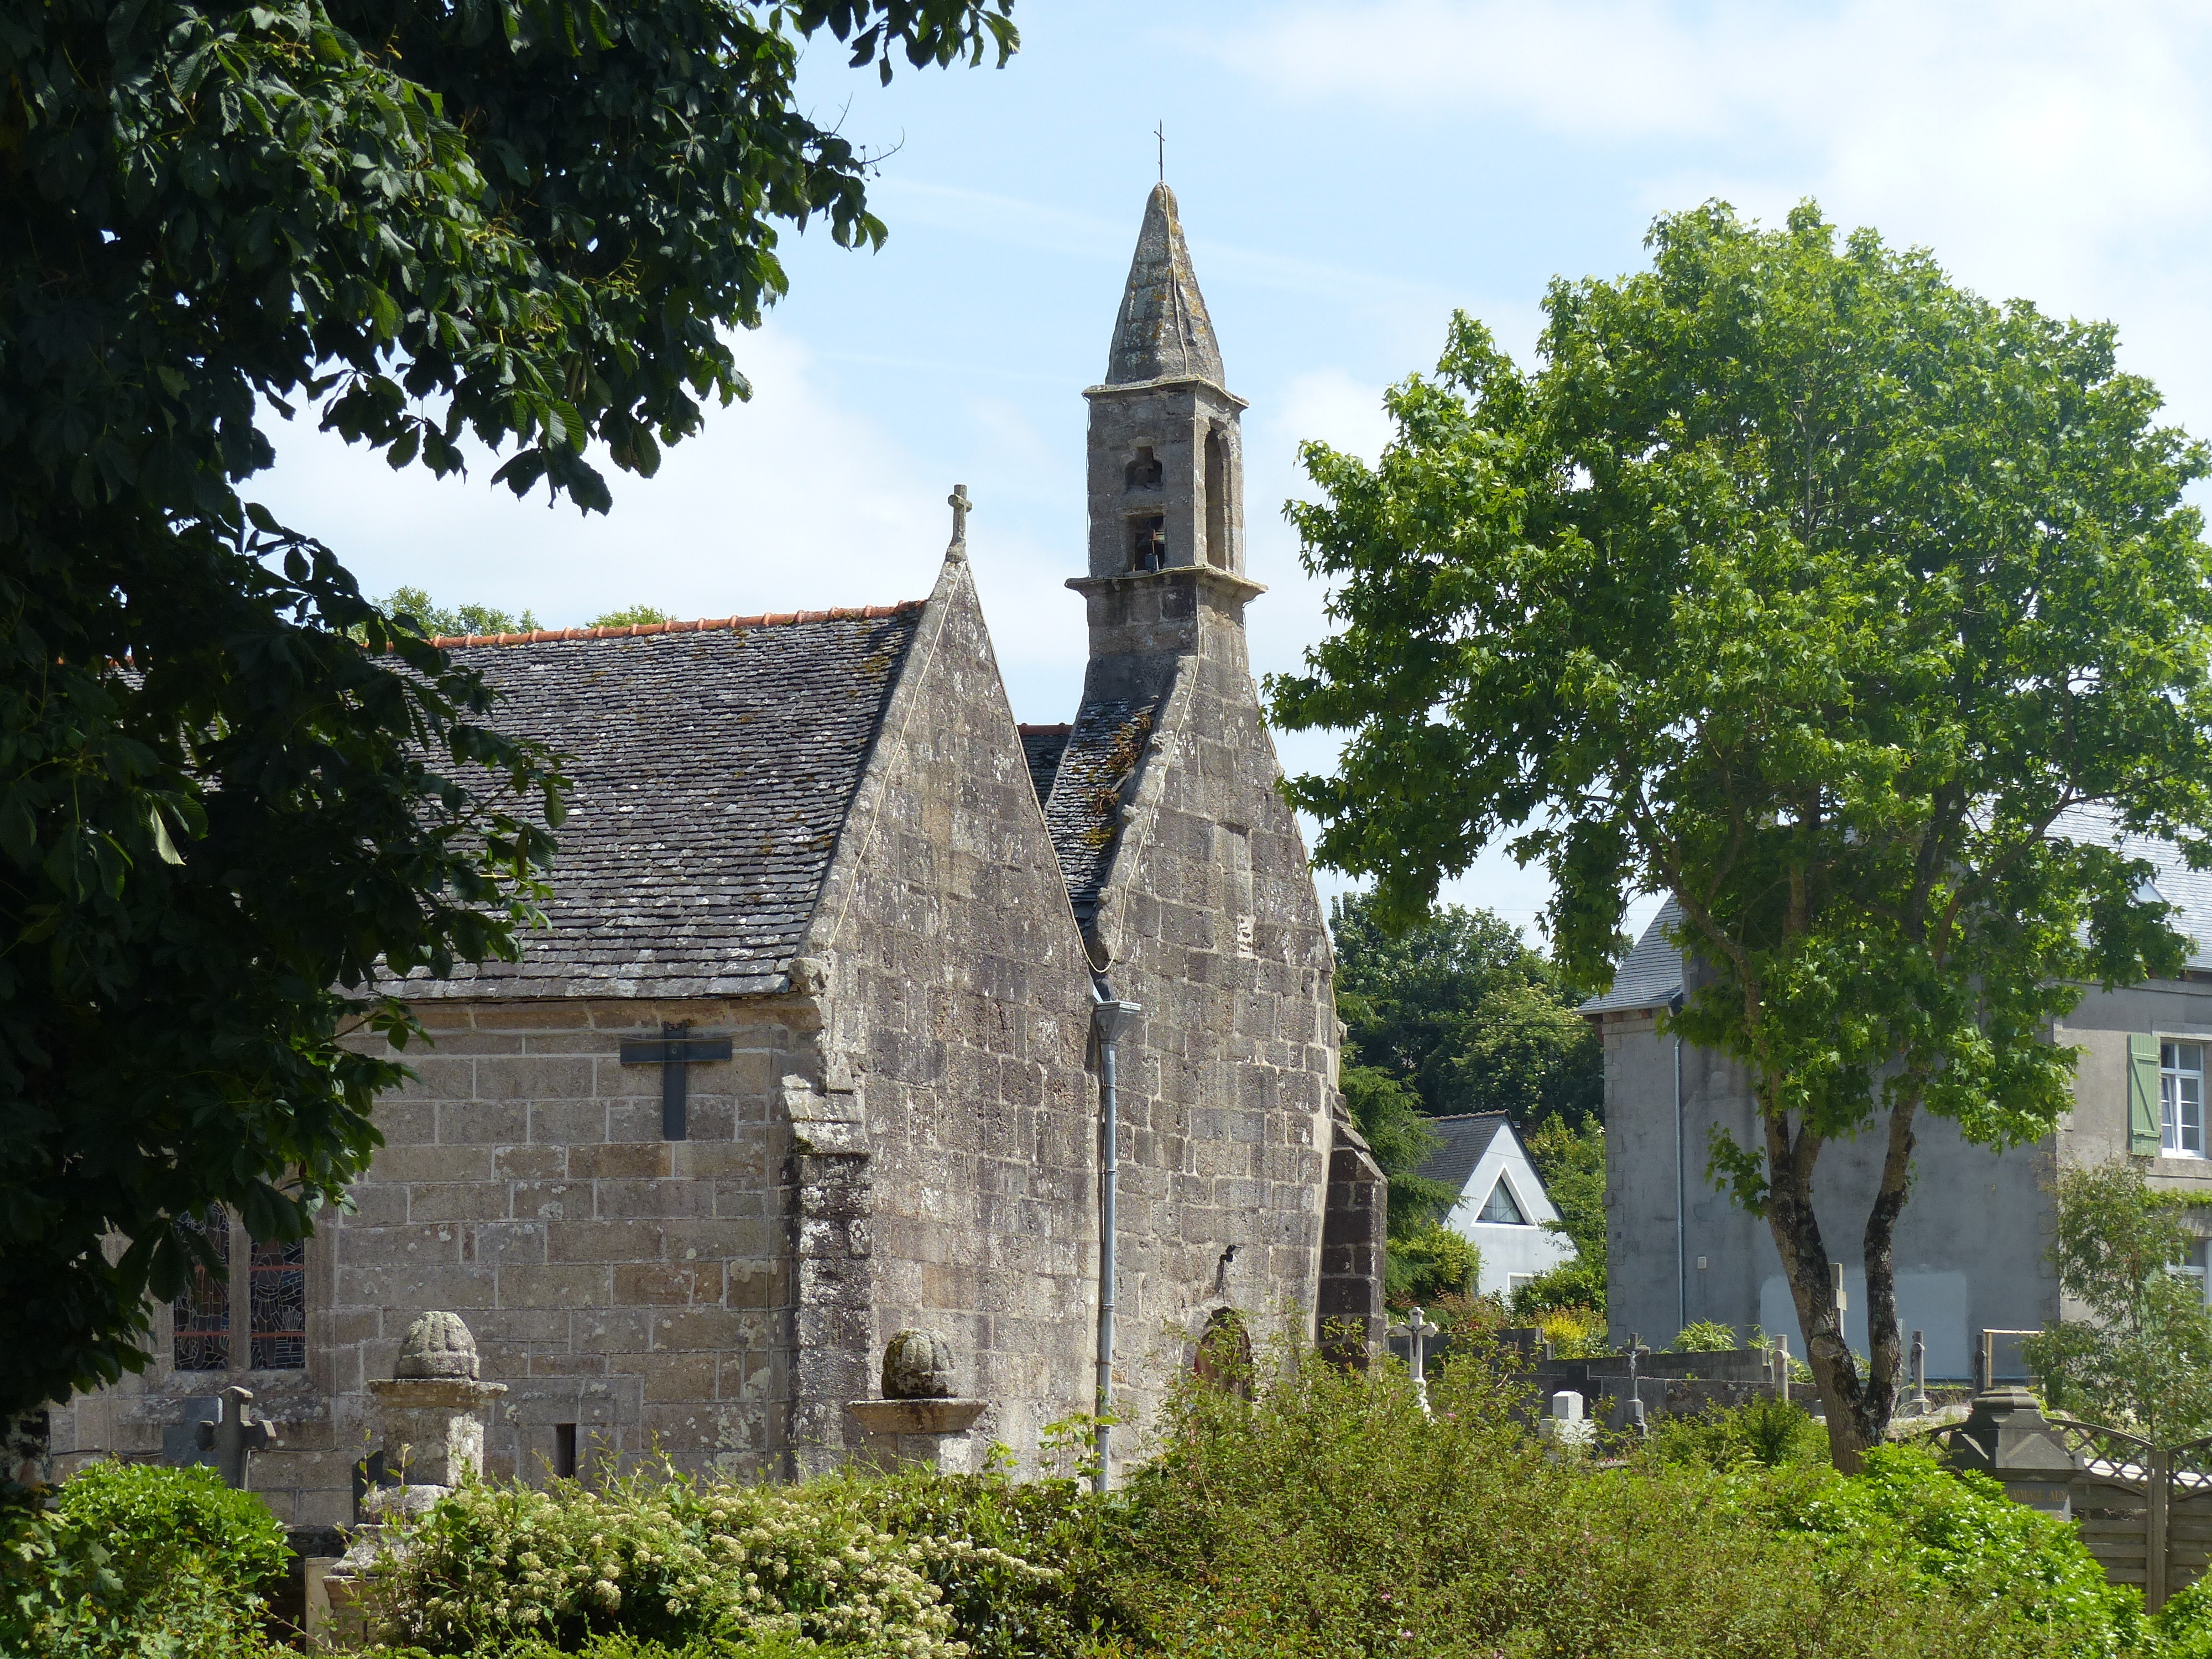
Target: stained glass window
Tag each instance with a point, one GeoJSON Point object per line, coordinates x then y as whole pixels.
{"type": "Point", "coordinates": [277, 1287]}
{"type": "Point", "coordinates": [202, 1314]}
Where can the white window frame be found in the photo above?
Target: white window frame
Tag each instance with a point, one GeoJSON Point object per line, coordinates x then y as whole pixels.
{"type": "Point", "coordinates": [1513, 1196]}
{"type": "Point", "coordinates": [2192, 1267]}
{"type": "Point", "coordinates": [2180, 1119]}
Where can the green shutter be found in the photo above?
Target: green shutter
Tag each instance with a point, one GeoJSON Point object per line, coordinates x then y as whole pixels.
{"type": "Point", "coordinates": [2142, 1096]}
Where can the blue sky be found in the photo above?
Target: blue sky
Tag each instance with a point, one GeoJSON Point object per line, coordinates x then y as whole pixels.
{"type": "Point", "coordinates": [1348, 174]}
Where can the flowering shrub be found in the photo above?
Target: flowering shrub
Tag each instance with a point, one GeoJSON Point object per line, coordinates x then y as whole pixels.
{"type": "Point", "coordinates": [137, 1560]}
{"type": "Point", "coordinates": [656, 1557]}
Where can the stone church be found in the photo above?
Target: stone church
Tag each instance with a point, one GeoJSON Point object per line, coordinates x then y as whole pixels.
{"type": "Point", "coordinates": [809, 1050]}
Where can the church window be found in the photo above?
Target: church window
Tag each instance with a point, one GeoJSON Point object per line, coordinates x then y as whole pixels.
{"type": "Point", "coordinates": [267, 1302]}
{"type": "Point", "coordinates": [1217, 499]}
{"type": "Point", "coordinates": [1148, 543]}
{"type": "Point", "coordinates": [201, 1316]}
{"type": "Point", "coordinates": [277, 1300]}
{"type": "Point", "coordinates": [564, 1451]}
{"type": "Point", "coordinates": [1500, 1206]}
{"type": "Point", "coordinates": [1145, 473]}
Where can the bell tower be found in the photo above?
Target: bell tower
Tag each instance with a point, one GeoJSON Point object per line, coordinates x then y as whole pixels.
{"type": "Point", "coordinates": [1166, 477]}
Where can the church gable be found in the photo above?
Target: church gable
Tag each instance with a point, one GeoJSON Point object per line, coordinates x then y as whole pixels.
{"type": "Point", "coordinates": [713, 764]}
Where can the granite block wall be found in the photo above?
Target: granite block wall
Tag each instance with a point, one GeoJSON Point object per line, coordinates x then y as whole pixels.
{"type": "Point", "coordinates": [637, 1288]}
{"type": "Point", "coordinates": [1209, 918]}
{"type": "Point", "coordinates": [959, 1011]}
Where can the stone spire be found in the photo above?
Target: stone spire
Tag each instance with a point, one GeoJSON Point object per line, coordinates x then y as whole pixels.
{"type": "Point", "coordinates": [1162, 332]}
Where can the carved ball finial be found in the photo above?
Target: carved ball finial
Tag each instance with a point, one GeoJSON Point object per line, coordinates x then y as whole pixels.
{"type": "Point", "coordinates": [918, 1365]}
{"type": "Point", "coordinates": [437, 1344]}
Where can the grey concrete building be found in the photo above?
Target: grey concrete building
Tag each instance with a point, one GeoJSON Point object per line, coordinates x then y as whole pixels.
{"type": "Point", "coordinates": [805, 1053]}
{"type": "Point", "coordinates": [1970, 1245]}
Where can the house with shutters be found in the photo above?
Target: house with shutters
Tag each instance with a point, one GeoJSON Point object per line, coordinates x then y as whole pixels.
{"type": "Point", "coordinates": [809, 1050]}
{"type": "Point", "coordinates": [1971, 1245]}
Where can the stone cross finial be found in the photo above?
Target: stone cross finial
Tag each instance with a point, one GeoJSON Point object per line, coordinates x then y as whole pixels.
{"type": "Point", "coordinates": [958, 501]}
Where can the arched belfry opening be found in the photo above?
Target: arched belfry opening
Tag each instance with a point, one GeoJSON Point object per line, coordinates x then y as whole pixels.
{"type": "Point", "coordinates": [1217, 499]}
{"type": "Point", "coordinates": [1148, 542]}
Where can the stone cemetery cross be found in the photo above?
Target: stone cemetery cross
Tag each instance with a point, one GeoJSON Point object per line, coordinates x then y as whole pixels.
{"type": "Point", "coordinates": [234, 1437]}
{"type": "Point", "coordinates": [675, 1051]}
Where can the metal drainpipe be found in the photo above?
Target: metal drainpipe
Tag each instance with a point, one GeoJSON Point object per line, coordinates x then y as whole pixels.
{"type": "Point", "coordinates": [1110, 1018]}
{"type": "Point", "coordinates": [1681, 1244]}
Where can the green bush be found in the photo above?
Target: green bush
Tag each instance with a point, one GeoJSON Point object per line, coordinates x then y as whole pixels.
{"type": "Point", "coordinates": [654, 1557]}
{"type": "Point", "coordinates": [137, 1561]}
{"type": "Point", "coordinates": [1766, 1433]}
{"type": "Point", "coordinates": [1959, 1531]}
{"type": "Point", "coordinates": [2185, 1623]}
{"type": "Point", "coordinates": [1579, 1283]}
{"type": "Point", "coordinates": [1331, 1517]}
{"type": "Point", "coordinates": [1433, 1263]}
{"type": "Point", "coordinates": [1704, 1336]}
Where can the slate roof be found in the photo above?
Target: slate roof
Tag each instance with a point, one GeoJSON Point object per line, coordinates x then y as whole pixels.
{"type": "Point", "coordinates": [1651, 977]}
{"type": "Point", "coordinates": [1043, 745]}
{"type": "Point", "coordinates": [1083, 811]}
{"type": "Point", "coordinates": [1467, 1141]}
{"type": "Point", "coordinates": [2177, 883]}
{"type": "Point", "coordinates": [713, 764]}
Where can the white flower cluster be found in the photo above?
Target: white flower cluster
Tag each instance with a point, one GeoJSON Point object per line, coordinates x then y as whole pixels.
{"type": "Point", "coordinates": [664, 1557]}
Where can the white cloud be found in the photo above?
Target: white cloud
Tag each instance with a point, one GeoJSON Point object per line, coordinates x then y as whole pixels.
{"type": "Point", "coordinates": [790, 501]}
{"type": "Point", "coordinates": [2056, 151]}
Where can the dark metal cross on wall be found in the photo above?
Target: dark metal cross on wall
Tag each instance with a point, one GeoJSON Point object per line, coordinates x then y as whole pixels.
{"type": "Point", "coordinates": [676, 1051]}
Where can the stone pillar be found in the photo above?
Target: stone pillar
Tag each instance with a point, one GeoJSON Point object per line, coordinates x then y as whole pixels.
{"type": "Point", "coordinates": [430, 1427]}
{"type": "Point", "coordinates": [918, 1421]}
{"type": "Point", "coordinates": [2005, 1436]}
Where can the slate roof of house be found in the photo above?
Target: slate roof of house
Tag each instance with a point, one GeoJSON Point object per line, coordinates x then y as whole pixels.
{"type": "Point", "coordinates": [1043, 745]}
{"type": "Point", "coordinates": [1467, 1139]}
{"type": "Point", "coordinates": [713, 764]}
{"type": "Point", "coordinates": [1652, 975]}
{"type": "Point", "coordinates": [1084, 810]}
{"type": "Point", "coordinates": [2177, 883]}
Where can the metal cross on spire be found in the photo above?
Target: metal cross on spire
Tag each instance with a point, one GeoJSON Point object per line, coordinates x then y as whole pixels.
{"type": "Point", "coordinates": [1160, 132]}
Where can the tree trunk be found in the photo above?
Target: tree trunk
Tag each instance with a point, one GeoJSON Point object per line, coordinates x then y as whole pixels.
{"type": "Point", "coordinates": [1858, 1408]}
{"type": "Point", "coordinates": [1797, 1229]}
{"type": "Point", "coordinates": [1885, 1341]}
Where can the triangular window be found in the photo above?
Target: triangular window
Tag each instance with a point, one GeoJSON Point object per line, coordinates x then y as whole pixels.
{"type": "Point", "coordinates": [1500, 1206]}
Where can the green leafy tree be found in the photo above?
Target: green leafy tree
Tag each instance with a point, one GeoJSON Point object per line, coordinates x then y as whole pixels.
{"type": "Point", "coordinates": [1434, 1263]}
{"type": "Point", "coordinates": [632, 615]}
{"type": "Point", "coordinates": [1806, 587]}
{"type": "Point", "coordinates": [1390, 1116]}
{"type": "Point", "coordinates": [234, 796]}
{"type": "Point", "coordinates": [1571, 1161]}
{"type": "Point", "coordinates": [416, 608]}
{"type": "Point", "coordinates": [2142, 1360]}
{"type": "Point", "coordinates": [1457, 1009]}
